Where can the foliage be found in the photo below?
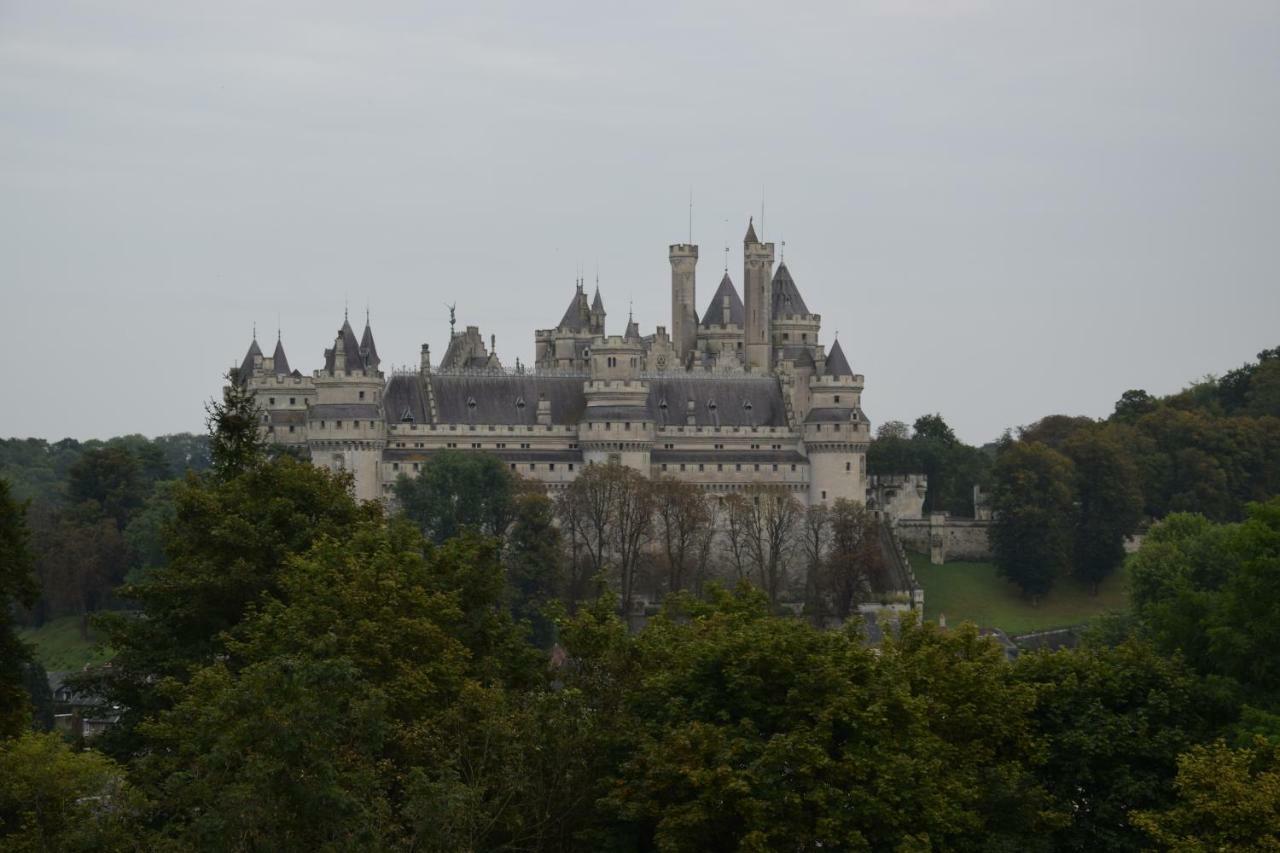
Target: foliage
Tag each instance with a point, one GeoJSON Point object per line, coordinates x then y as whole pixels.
{"type": "Point", "coordinates": [533, 558]}
{"type": "Point", "coordinates": [740, 731]}
{"type": "Point", "coordinates": [17, 587]}
{"type": "Point", "coordinates": [1032, 500]}
{"type": "Point", "coordinates": [855, 564]}
{"type": "Point", "coordinates": [236, 442]}
{"type": "Point", "coordinates": [608, 517]}
{"type": "Point", "coordinates": [1209, 592]}
{"type": "Point", "coordinates": [1109, 503]}
{"type": "Point", "coordinates": [52, 798]}
{"type": "Point", "coordinates": [1228, 799]}
{"type": "Point", "coordinates": [455, 491]}
{"type": "Point", "coordinates": [1114, 721]}
{"type": "Point", "coordinates": [952, 467]}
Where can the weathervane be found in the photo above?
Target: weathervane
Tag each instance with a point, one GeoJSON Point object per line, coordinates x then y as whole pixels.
{"type": "Point", "coordinates": [452, 316]}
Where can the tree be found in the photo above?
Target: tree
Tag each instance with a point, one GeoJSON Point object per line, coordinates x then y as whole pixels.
{"type": "Point", "coordinates": [533, 558]}
{"type": "Point", "coordinates": [1208, 592]}
{"type": "Point", "coordinates": [1132, 405]}
{"type": "Point", "coordinates": [771, 520]}
{"type": "Point", "coordinates": [52, 798]}
{"type": "Point", "coordinates": [683, 517]}
{"type": "Point", "coordinates": [1109, 504]}
{"type": "Point", "coordinates": [1112, 722]}
{"type": "Point", "coordinates": [1034, 516]}
{"type": "Point", "coordinates": [855, 565]}
{"type": "Point", "coordinates": [815, 542]}
{"type": "Point", "coordinates": [457, 490]}
{"type": "Point", "coordinates": [236, 441]}
{"type": "Point", "coordinates": [633, 511]}
{"type": "Point", "coordinates": [17, 588]}
{"type": "Point", "coordinates": [737, 519]}
{"type": "Point", "coordinates": [110, 480]}
{"type": "Point", "coordinates": [1228, 799]}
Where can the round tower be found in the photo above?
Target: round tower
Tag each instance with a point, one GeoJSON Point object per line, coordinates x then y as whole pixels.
{"type": "Point", "coordinates": [836, 433]}
{"type": "Point", "coordinates": [684, 314]}
{"type": "Point", "coordinates": [616, 426]}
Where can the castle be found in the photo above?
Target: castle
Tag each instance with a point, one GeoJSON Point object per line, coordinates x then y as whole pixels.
{"type": "Point", "coordinates": [742, 394]}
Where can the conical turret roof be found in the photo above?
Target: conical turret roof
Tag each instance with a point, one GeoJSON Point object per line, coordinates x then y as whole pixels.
{"type": "Point", "coordinates": [576, 317]}
{"type": "Point", "coordinates": [837, 364]}
{"type": "Point", "coordinates": [597, 304]}
{"type": "Point", "coordinates": [368, 348]}
{"type": "Point", "coordinates": [751, 232]}
{"type": "Point", "coordinates": [246, 366]}
{"type": "Point", "coordinates": [714, 315]}
{"type": "Point", "coordinates": [786, 296]}
{"type": "Point", "coordinates": [279, 360]}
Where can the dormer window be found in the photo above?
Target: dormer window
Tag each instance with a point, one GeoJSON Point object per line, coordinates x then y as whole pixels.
{"type": "Point", "coordinates": [520, 403]}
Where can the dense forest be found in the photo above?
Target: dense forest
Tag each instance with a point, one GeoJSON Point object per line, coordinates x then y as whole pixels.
{"type": "Point", "coordinates": [295, 670]}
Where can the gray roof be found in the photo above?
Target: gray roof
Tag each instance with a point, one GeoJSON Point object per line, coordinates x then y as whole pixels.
{"type": "Point", "coordinates": [730, 395]}
{"type": "Point", "coordinates": [617, 413]}
{"type": "Point", "coordinates": [369, 349]}
{"type": "Point", "coordinates": [751, 232]}
{"type": "Point", "coordinates": [830, 416]}
{"type": "Point", "coordinates": [278, 359]}
{"type": "Point", "coordinates": [714, 315]}
{"type": "Point", "coordinates": [357, 411]}
{"type": "Point", "coordinates": [729, 455]}
{"type": "Point", "coordinates": [496, 397]}
{"type": "Point", "coordinates": [246, 366]}
{"type": "Point", "coordinates": [285, 417]}
{"type": "Point", "coordinates": [405, 454]}
{"type": "Point", "coordinates": [354, 362]}
{"type": "Point", "coordinates": [597, 304]}
{"type": "Point", "coordinates": [837, 364]}
{"type": "Point", "coordinates": [403, 400]}
{"type": "Point", "coordinates": [576, 317]}
{"type": "Point", "coordinates": [801, 354]}
{"type": "Point", "coordinates": [786, 297]}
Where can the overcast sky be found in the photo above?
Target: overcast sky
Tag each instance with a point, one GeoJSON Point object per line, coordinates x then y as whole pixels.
{"type": "Point", "coordinates": [1006, 210]}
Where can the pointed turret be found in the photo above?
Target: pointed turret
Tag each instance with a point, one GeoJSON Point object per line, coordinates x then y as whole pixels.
{"type": "Point", "coordinates": [726, 306]}
{"type": "Point", "coordinates": [368, 350]}
{"type": "Point", "coordinates": [837, 364]}
{"type": "Point", "coordinates": [349, 351]}
{"type": "Point", "coordinates": [246, 366]}
{"type": "Point", "coordinates": [597, 304]}
{"type": "Point", "coordinates": [751, 232]}
{"type": "Point", "coordinates": [577, 317]}
{"type": "Point", "coordinates": [278, 359]}
{"type": "Point", "coordinates": [787, 300]}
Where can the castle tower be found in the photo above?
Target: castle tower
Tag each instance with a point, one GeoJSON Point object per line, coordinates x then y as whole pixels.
{"type": "Point", "coordinates": [757, 283]}
{"type": "Point", "coordinates": [616, 426]}
{"type": "Point", "coordinates": [836, 433]}
{"type": "Point", "coordinates": [684, 314]}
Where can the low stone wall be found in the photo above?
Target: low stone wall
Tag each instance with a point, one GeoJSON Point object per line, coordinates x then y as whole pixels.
{"type": "Point", "coordinates": [944, 538]}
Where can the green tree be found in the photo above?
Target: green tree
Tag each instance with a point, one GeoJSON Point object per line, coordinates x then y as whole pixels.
{"type": "Point", "coordinates": [236, 441]}
{"type": "Point", "coordinates": [457, 490]}
{"type": "Point", "coordinates": [1208, 591]}
{"type": "Point", "coordinates": [52, 798]}
{"type": "Point", "coordinates": [17, 588]}
{"type": "Point", "coordinates": [855, 566]}
{"type": "Point", "coordinates": [1113, 722]}
{"type": "Point", "coordinates": [1033, 503]}
{"type": "Point", "coordinates": [1109, 504]}
{"type": "Point", "coordinates": [534, 557]}
{"type": "Point", "coordinates": [1228, 799]}
{"type": "Point", "coordinates": [110, 480]}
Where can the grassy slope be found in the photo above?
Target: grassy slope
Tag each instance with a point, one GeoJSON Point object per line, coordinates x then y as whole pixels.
{"type": "Point", "coordinates": [973, 592]}
{"type": "Point", "coordinates": [59, 646]}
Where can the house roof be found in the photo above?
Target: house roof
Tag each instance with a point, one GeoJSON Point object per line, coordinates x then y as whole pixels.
{"type": "Point", "coordinates": [714, 315]}
{"type": "Point", "coordinates": [786, 297]}
{"type": "Point", "coordinates": [837, 364]}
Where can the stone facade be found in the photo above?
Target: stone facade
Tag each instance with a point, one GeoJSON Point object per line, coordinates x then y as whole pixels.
{"type": "Point", "coordinates": [743, 394]}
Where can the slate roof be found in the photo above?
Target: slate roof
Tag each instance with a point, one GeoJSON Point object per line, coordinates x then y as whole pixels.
{"type": "Point", "coordinates": [714, 315]}
{"type": "Point", "coordinates": [496, 397]}
{"type": "Point", "coordinates": [597, 304]}
{"type": "Point", "coordinates": [830, 416]}
{"type": "Point", "coordinates": [729, 394]}
{"type": "Point", "coordinates": [367, 345]}
{"type": "Point", "coordinates": [576, 317]}
{"type": "Point", "coordinates": [279, 360]}
{"type": "Point", "coordinates": [354, 362]}
{"type": "Point", "coordinates": [799, 353]}
{"type": "Point", "coordinates": [837, 364]}
{"type": "Point", "coordinates": [751, 232]}
{"type": "Point", "coordinates": [406, 454]}
{"type": "Point", "coordinates": [786, 297]}
{"type": "Point", "coordinates": [403, 401]}
{"type": "Point", "coordinates": [730, 455]}
{"type": "Point", "coordinates": [246, 366]}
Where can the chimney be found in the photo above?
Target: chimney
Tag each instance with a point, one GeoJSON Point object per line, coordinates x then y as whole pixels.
{"type": "Point", "coordinates": [544, 410]}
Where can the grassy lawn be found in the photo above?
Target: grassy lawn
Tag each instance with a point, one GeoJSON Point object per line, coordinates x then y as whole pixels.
{"type": "Point", "coordinates": [59, 646]}
{"type": "Point", "coordinates": [973, 592]}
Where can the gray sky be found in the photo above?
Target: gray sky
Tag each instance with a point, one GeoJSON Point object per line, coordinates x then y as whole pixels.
{"type": "Point", "coordinates": [1006, 209]}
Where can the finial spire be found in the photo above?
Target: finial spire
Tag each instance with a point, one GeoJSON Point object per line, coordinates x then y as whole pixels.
{"type": "Point", "coordinates": [255, 330]}
{"type": "Point", "coordinates": [783, 256]}
{"type": "Point", "coordinates": [277, 327]}
{"type": "Point", "coordinates": [726, 260]}
{"type": "Point", "coordinates": [691, 214]}
{"type": "Point", "coordinates": [366, 312]}
{"type": "Point", "coordinates": [346, 307]}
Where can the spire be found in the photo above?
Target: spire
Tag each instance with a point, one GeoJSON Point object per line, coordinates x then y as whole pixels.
{"type": "Point", "coordinates": [714, 315]}
{"type": "Point", "coordinates": [278, 358]}
{"type": "Point", "coordinates": [367, 347]}
{"type": "Point", "coordinates": [597, 304]}
{"type": "Point", "coordinates": [837, 364]}
{"type": "Point", "coordinates": [246, 366]}
{"type": "Point", "coordinates": [751, 232]}
{"type": "Point", "coordinates": [786, 296]}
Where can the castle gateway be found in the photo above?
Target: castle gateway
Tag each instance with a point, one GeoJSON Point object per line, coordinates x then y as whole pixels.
{"type": "Point", "coordinates": [743, 393]}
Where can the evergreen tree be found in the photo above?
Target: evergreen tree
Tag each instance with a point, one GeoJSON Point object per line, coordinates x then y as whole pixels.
{"type": "Point", "coordinates": [1109, 504]}
{"type": "Point", "coordinates": [534, 558]}
{"type": "Point", "coordinates": [236, 441]}
{"type": "Point", "coordinates": [1033, 503]}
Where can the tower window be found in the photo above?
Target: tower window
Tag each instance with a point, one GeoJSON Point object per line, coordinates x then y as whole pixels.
{"type": "Point", "coordinates": [361, 395]}
{"type": "Point", "coordinates": [271, 401]}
